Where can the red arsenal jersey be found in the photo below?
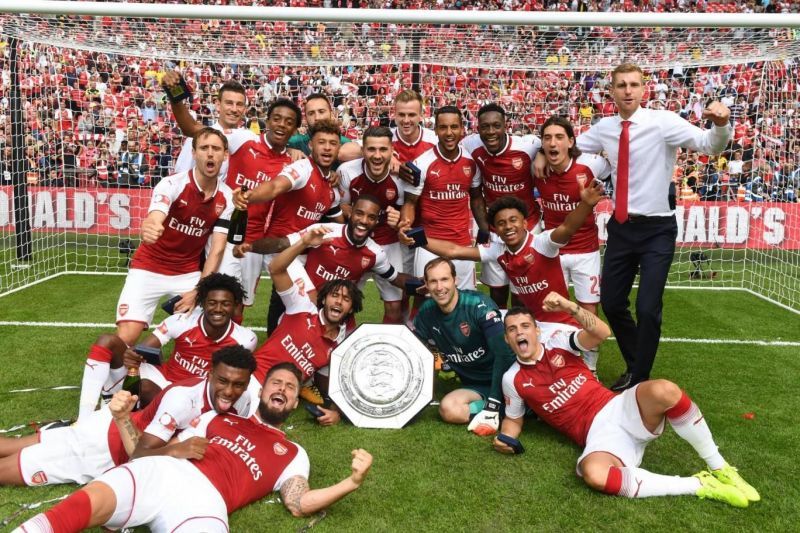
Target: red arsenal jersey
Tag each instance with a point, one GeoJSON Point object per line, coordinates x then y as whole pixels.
{"type": "Point", "coordinates": [190, 220]}
{"type": "Point", "coordinates": [534, 270]}
{"type": "Point", "coordinates": [310, 197]}
{"type": "Point", "coordinates": [558, 387]}
{"type": "Point", "coordinates": [193, 347]}
{"type": "Point", "coordinates": [298, 339]}
{"type": "Point", "coordinates": [253, 164]}
{"type": "Point", "coordinates": [175, 408]}
{"type": "Point", "coordinates": [339, 258]}
{"type": "Point", "coordinates": [561, 193]}
{"type": "Point", "coordinates": [508, 172]}
{"type": "Point", "coordinates": [388, 190]}
{"type": "Point", "coordinates": [444, 195]}
{"type": "Point", "coordinates": [410, 151]}
{"type": "Point", "coordinates": [246, 459]}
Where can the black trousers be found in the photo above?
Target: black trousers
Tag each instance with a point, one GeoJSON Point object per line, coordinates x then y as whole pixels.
{"type": "Point", "coordinates": [645, 246]}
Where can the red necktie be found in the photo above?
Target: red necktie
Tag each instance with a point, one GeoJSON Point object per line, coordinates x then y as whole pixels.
{"type": "Point", "coordinates": [621, 193]}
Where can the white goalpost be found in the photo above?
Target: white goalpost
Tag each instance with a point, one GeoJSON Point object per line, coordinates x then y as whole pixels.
{"type": "Point", "coordinates": [86, 130]}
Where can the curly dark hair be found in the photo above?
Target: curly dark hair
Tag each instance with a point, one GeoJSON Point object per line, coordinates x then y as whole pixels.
{"type": "Point", "coordinates": [288, 104]}
{"type": "Point", "coordinates": [324, 126]}
{"type": "Point", "coordinates": [356, 295]}
{"type": "Point", "coordinates": [218, 282]}
{"type": "Point", "coordinates": [236, 356]}
{"type": "Point", "coordinates": [506, 202]}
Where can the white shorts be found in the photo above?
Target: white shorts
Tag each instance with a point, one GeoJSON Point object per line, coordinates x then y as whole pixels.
{"type": "Point", "coordinates": [143, 289]}
{"type": "Point", "coordinates": [618, 429]}
{"type": "Point", "coordinates": [388, 292]}
{"type": "Point", "coordinates": [74, 454]}
{"type": "Point", "coordinates": [492, 274]}
{"type": "Point", "coordinates": [166, 494]}
{"type": "Point", "coordinates": [465, 270]}
{"type": "Point", "coordinates": [584, 272]}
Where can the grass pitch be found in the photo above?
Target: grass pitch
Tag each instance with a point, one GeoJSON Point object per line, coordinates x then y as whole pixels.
{"type": "Point", "coordinates": [431, 476]}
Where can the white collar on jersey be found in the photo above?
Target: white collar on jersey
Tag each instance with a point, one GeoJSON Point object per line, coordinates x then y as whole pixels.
{"type": "Point", "coordinates": [419, 137]}
{"type": "Point", "coordinates": [369, 177]}
{"type": "Point", "coordinates": [205, 334]}
{"type": "Point", "coordinates": [524, 242]}
{"type": "Point", "coordinates": [503, 149]}
{"type": "Point", "coordinates": [440, 156]}
{"type": "Point", "coordinates": [264, 138]}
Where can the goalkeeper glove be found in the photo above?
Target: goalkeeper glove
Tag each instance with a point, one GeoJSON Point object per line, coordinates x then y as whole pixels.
{"type": "Point", "coordinates": [487, 422]}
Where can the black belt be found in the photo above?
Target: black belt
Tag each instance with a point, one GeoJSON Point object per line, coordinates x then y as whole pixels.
{"type": "Point", "coordinates": [644, 219]}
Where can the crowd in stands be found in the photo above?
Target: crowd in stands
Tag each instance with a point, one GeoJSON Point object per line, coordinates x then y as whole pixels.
{"type": "Point", "coordinates": [102, 119]}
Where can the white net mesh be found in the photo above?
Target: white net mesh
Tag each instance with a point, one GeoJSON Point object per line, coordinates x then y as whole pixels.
{"type": "Point", "coordinates": [97, 132]}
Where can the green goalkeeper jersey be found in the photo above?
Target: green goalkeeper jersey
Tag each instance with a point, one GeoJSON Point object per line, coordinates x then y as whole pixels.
{"type": "Point", "coordinates": [470, 339]}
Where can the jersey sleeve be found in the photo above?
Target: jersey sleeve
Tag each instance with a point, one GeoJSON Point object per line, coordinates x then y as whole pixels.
{"type": "Point", "coordinates": [166, 192]}
{"type": "Point", "coordinates": [382, 265]}
{"type": "Point", "coordinates": [174, 412]}
{"type": "Point", "coordinates": [297, 173]}
{"type": "Point", "coordinates": [543, 244]}
{"type": "Point", "coordinates": [174, 325]}
{"type": "Point", "coordinates": [515, 406]}
{"type": "Point", "coordinates": [223, 222]}
{"type": "Point", "coordinates": [185, 160]}
{"type": "Point", "coordinates": [599, 165]}
{"type": "Point", "coordinates": [296, 302]}
{"type": "Point", "coordinates": [477, 177]}
{"type": "Point", "coordinates": [491, 323]}
{"type": "Point", "coordinates": [245, 337]}
{"type": "Point", "coordinates": [336, 206]}
{"type": "Point", "coordinates": [199, 428]}
{"type": "Point", "coordinates": [491, 251]}
{"type": "Point", "coordinates": [566, 340]}
{"type": "Point", "coordinates": [300, 466]}
{"type": "Point", "coordinates": [238, 137]}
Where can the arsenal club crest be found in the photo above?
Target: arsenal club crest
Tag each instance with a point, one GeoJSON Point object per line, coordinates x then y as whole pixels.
{"type": "Point", "coordinates": [123, 308]}
{"type": "Point", "coordinates": [39, 478]}
{"type": "Point", "coordinates": [168, 422]}
{"type": "Point", "coordinates": [464, 327]}
{"type": "Point", "coordinates": [467, 171]}
{"type": "Point", "coordinates": [517, 163]}
{"type": "Point", "coordinates": [528, 258]}
{"type": "Point", "coordinates": [557, 360]}
{"type": "Point", "coordinates": [391, 194]}
{"type": "Point", "coordinates": [582, 178]}
{"type": "Point", "coordinates": [364, 262]}
{"type": "Point", "coordinates": [279, 449]}
{"type": "Point", "coordinates": [219, 208]}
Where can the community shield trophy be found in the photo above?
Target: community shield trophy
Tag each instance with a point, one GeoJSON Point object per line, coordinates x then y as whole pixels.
{"type": "Point", "coordinates": [381, 376]}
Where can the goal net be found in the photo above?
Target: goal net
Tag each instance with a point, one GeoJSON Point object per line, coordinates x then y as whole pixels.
{"type": "Point", "coordinates": [86, 130]}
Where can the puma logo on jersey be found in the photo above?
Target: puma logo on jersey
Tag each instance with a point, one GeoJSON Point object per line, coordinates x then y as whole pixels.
{"type": "Point", "coordinates": [356, 192]}
{"type": "Point", "coordinates": [435, 173]}
{"type": "Point", "coordinates": [481, 160]}
{"type": "Point", "coordinates": [183, 202]}
{"type": "Point", "coordinates": [334, 250]}
{"type": "Point", "coordinates": [313, 186]}
{"type": "Point", "coordinates": [437, 330]}
{"type": "Point", "coordinates": [308, 323]}
{"type": "Point", "coordinates": [253, 153]}
{"type": "Point", "coordinates": [229, 421]}
{"type": "Point", "coordinates": [528, 383]}
{"type": "Point", "coordinates": [188, 340]}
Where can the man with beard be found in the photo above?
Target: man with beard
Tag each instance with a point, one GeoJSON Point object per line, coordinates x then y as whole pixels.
{"type": "Point", "coordinates": [83, 451]}
{"type": "Point", "coordinates": [307, 333]}
{"type": "Point", "coordinates": [613, 429]}
{"type": "Point", "coordinates": [370, 175]}
{"type": "Point", "coordinates": [243, 460]}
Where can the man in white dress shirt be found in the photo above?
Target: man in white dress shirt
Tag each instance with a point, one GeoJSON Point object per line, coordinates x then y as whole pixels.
{"type": "Point", "coordinates": [641, 145]}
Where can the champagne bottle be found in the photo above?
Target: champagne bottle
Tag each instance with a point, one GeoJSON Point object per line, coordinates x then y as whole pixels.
{"type": "Point", "coordinates": [238, 224]}
{"type": "Point", "coordinates": [133, 381]}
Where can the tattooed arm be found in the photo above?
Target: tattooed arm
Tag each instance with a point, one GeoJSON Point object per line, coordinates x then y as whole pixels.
{"type": "Point", "coordinates": [121, 405]}
{"type": "Point", "coordinates": [594, 331]}
{"type": "Point", "coordinates": [302, 501]}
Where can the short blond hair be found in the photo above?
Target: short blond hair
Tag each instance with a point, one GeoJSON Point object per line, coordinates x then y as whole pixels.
{"type": "Point", "coordinates": [408, 95]}
{"type": "Point", "coordinates": [625, 68]}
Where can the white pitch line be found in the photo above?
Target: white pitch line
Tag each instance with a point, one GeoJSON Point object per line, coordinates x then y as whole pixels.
{"type": "Point", "coordinates": [676, 340]}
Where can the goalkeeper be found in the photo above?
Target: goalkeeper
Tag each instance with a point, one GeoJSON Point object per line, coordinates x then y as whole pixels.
{"type": "Point", "coordinates": [466, 327]}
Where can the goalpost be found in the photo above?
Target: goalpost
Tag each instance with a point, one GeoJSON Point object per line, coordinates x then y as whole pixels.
{"type": "Point", "coordinates": [78, 79]}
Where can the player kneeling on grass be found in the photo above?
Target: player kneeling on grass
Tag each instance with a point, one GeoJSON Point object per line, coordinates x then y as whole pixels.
{"type": "Point", "coordinates": [242, 460]}
{"type": "Point", "coordinates": [83, 451]}
{"type": "Point", "coordinates": [614, 429]}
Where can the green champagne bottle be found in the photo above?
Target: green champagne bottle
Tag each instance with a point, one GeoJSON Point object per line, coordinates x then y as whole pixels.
{"type": "Point", "coordinates": [238, 224]}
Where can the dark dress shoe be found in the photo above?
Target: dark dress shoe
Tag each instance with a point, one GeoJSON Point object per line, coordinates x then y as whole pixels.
{"type": "Point", "coordinates": [625, 381]}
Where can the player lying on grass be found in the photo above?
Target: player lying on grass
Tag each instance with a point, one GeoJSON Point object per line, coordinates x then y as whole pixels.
{"type": "Point", "coordinates": [613, 429]}
{"type": "Point", "coordinates": [198, 334]}
{"type": "Point", "coordinates": [244, 459]}
{"type": "Point", "coordinates": [80, 453]}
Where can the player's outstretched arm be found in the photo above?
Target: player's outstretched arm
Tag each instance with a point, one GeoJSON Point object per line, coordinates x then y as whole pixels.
{"type": "Point", "coordinates": [189, 126]}
{"type": "Point", "coordinates": [594, 331]}
{"type": "Point", "coordinates": [590, 197]}
{"type": "Point", "coordinates": [511, 427]}
{"type": "Point", "coordinates": [442, 248]}
{"type": "Point", "coordinates": [477, 204]}
{"type": "Point", "coordinates": [121, 405]}
{"type": "Point", "coordinates": [280, 263]}
{"type": "Point", "coordinates": [301, 501]}
{"type": "Point", "coordinates": [267, 191]}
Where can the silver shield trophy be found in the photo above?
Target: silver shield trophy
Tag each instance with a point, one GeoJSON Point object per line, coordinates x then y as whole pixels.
{"type": "Point", "coordinates": [381, 376]}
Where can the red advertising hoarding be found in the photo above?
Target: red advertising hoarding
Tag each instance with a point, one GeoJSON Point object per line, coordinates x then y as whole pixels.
{"type": "Point", "coordinates": [120, 211]}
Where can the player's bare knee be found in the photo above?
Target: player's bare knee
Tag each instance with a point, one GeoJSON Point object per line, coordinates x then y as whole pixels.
{"type": "Point", "coordinates": [595, 475]}
{"type": "Point", "coordinates": [453, 412]}
{"type": "Point", "coordinates": [667, 391]}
